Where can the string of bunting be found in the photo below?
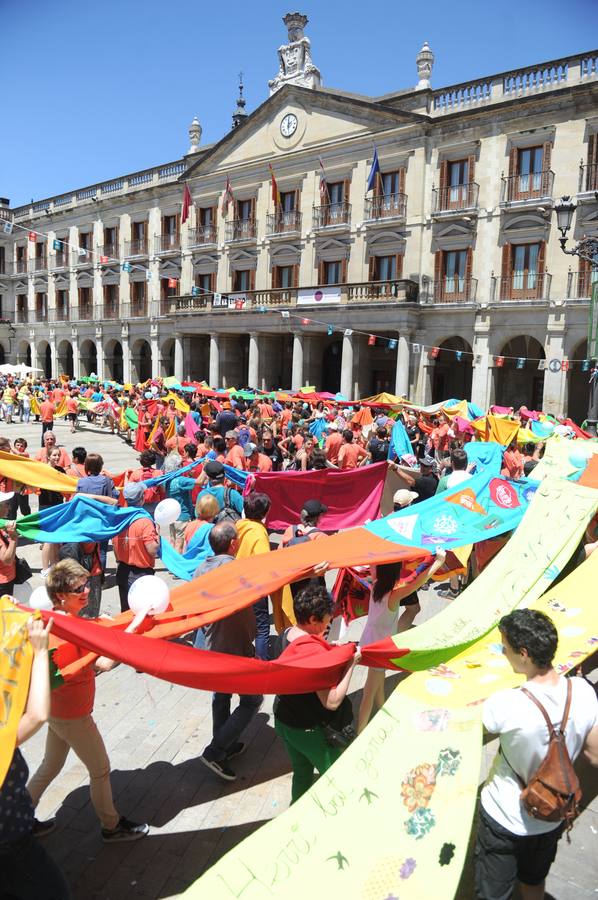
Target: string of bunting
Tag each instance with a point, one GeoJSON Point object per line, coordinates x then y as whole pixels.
{"type": "Point", "coordinates": [433, 352]}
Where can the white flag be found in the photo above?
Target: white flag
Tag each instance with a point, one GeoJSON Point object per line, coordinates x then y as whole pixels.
{"type": "Point", "coordinates": [7, 228]}
{"type": "Point", "coordinates": [82, 251]}
{"type": "Point", "coordinates": [148, 275]}
{"type": "Point", "coordinates": [348, 332]}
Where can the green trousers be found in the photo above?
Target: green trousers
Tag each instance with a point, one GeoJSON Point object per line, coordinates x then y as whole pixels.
{"type": "Point", "coordinates": [308, 751]}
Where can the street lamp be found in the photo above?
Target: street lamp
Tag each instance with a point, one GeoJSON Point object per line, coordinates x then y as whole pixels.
{"type": "Point", "coordinates": [586, 249]}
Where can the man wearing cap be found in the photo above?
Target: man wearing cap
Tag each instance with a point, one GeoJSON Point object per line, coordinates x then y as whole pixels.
{"type": "Point", "coordinates": [378, 446]}
{"type": "Point", "coordinates": [212, 481]}
{"type": "Point", "coordinates": [403, 498]}
{"type": "Point", "coordinates": [135, 547]}
{"type": "Point", "coordinates": [8, 546]}
{"type": "Point", "coordinates": [425, 483]}
{"type": "Point", "coordinates": [256, 461]}
{"type": "Point", "coordinates": [333, 444]}
{"type": "Point", "coordinates": [235, 456]}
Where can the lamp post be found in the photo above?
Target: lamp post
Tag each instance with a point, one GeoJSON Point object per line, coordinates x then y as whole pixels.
{"type": "Point", "coordinates": [586, 249]}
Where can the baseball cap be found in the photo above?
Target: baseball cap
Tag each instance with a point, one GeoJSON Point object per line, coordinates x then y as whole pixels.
{"type": "Point", "coordinates": [428, 461]}
{"type": "Point", "coordinates": [403, 497]}
{"type": "Point", "coordinates": [134, 491]}
{"type": "Point", "coordinates": [231, 434]}
{"type": "Point", "coordinates": [314, 508]}
{"type": "Point", "coordinates": [250, 449]}
{"type": "Point", "coordinates": [214, 469]}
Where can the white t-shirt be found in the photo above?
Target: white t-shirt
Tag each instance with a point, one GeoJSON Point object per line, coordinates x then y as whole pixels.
{"type": "Point", "coordinates": [524, 740]}
{"type": "Point", "coordinates": [457, 477]}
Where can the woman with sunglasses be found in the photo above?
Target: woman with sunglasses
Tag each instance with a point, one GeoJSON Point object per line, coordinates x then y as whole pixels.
{"type": "Point", "coordinates": [71, 725]}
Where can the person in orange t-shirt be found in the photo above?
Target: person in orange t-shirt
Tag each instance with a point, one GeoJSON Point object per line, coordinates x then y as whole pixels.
{"type": "Point", "coordinates": [46, 412]}
{"type": "Point", "coordinates": [8, 547]}
{"type": "Point", "coordinates": [235, 455]}
{"type": "Point", "coordinates": [43, 455]}
{"type": "Point", "coordinates": [333, 444]}
{"type": "Point", "coordinates": [135, 547]}
{"type": "Point", "coordinates": [72, 409]}
{"type": "Point", "coordinates": [350, 455]}
{"type": "Point", "coordinates": [71, 724]}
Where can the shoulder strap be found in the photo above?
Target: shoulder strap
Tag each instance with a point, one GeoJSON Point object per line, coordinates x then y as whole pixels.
{"type": "Point", "coordinates": [549, 724]}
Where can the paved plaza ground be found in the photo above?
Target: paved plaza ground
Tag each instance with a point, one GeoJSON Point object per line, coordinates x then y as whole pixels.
{"type": "Point", "coordinates": [154, 733]}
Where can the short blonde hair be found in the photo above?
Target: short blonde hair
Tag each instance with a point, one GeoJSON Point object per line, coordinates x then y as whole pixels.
{"type": "Point", "coordinates": [207, 507]}
{"type": "Point", "coordinates": [62, 577]}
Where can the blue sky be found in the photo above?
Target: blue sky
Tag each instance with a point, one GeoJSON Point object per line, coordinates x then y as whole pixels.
{"type": "Point", "coordinates": [95, 90]}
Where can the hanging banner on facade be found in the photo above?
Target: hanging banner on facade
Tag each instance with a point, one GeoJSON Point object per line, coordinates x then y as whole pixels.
{"type": "Point", "coordinates": [230, 301]}
{"type": "Point", "coordinates": [319, 296]}
{"type": "Point", "coordinates": [593, 323]}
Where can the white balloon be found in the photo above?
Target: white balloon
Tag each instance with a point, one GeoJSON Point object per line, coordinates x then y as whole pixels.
{"type": "Point", "coordinates": [39, 599]}
{"type": "Point", "coordinates": [149, 595]}
{"type": "Point", "coordinates": [167, 511]}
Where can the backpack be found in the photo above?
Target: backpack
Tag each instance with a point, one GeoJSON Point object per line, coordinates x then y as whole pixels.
{"type": "Point", "coordinates": [153, 493]}
{"type": "Point", "coordinates": [228, 513]}
{"type": "Point", "coordinates": [553, 793]}
{"type": "Point", "coordinates": [301, 538]}
{"type": "Point", "coordinates": [243, 435]}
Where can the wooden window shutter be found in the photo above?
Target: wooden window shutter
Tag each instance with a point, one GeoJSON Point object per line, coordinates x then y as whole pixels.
{"type": "Point", "coordinates": [321, 272]}
{"type": "Point", "coordinates": [373, 269]}
{"type": "Point", "coordinates": [214, 216]}
{"type": "Point", "coordinates": [275, 278]}
{"type": "Point", "coordinates": [593, 150]}
{"type": "Point", "coordinates": [399, 265]}
{"type": "Point", "coordinates": [513, 157]}
{"type": "Point", "coordinates": [470, 168]}
{"type": "Point", "coordinates": [295, 280]}
{"type": "Point", "coordinates": [438, 268]}
{"type": "Point", "coordinates": [178, 224]}
{"type": "Point", "coordinates": [252, 279]}
{"type": "Point", "coordinates": [584, 278]}
{"type": "Point", "coordinates": [468, 273]}
{"type": "Point", "coordinates": [344, 271]}
{"type": "Point", "coordinates": [346, 189]}
{"type": "Point", "coordinates": [542, 258]}
{"type": "Point", "coordinates": [252, 209]}
{"type": "Point", "coordinates": [546, 155]}
{"type": "Point", "coordinates": [402, 173]}
{"type": "Point", "coordinates": [443, 174]}
{"type": "Point", "coordinates": [506, 270]}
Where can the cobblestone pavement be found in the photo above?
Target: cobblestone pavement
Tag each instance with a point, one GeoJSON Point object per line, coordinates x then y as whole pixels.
{"type": "Point", "coordinates": [154, 733]}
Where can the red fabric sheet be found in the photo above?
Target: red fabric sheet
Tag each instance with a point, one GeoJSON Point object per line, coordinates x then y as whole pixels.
{"type": "Point", "coordinates": [352, 496]}
{"type": "Point", "coordinates": [204, 669]}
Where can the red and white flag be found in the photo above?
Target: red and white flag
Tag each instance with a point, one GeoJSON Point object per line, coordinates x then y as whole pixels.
{"type": "Point", "coordinates": [187, 201]}
{"type": "Point", "coordinates": [227, 198]}
{"type": "Point", "coordinates": [324, 195]}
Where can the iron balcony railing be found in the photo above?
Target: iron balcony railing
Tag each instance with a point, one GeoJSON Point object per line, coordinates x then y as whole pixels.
{"type": "Point", "coordinates": [38, 264]}
{"type": "Point", "coordinates": [532, 186]}
{"type": "Point", "coordinates": [82, 313]}
{"type": "Point", "coordinates": [450, 290]}
{"type": "Point", "coordinates": [385, 206]}
{"type": "Point", "coordinates": [20, 267]}
{"type": "Point", "coordinates": [283, 221]}
{"type": "Point", "coordinates": [138, 309]}
{"type": "Point", "coordinates": [241, 230]}
{"type": "Point", "coordinates": [21, 315]}
{"type": "Point", "coordinates": [84, 258]}
{"type": "Point", "coordinates": [167, 243]}
{"type": "Point", "coordinates": [109, 250]}
{"type": "Point", "coordinates": [579, 284]}
{"type": "Point", "coordinates": [109, 309]}
{"type": "Point", "coordinates": [401, 289]}
{"type": "Point", "coordinates": [136, 247]}
{"type": "Point", "coordinates": [330, 214]}
{"type": "Point", "coordinates": [588, 178]}
{"type": "Point", "coordinates": [203, 234]}
{"type": "Point", "coordinates": [59, 260]}
{"type": "Point", "coordinates": [59, 314]}
{"type": "Point", "coordinates": [455, 197]}
{"type": "Point", "coordinates": [521, 286]}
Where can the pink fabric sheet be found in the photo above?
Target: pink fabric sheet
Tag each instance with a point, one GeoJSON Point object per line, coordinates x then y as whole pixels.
{"type": "Point", "coordinates": [352, 496]}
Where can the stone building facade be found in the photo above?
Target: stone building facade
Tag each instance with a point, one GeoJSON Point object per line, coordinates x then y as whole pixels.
{"type": "Point", "coordinates": [445, 278]}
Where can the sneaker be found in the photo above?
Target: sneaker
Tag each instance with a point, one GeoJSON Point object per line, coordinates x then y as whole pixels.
{"type": "Point", "coordinates": [124, 831]}
{"type": "Point", "coordinates": [236, 750]}
{"type": "Point", "coordinates": [219, 768]}
{"type": "Point", "coordinates": [448, 594]}
{"type": "Point", "coordinates": [44, 572]}
{"type": "Point", "coordinates": [41, 829]}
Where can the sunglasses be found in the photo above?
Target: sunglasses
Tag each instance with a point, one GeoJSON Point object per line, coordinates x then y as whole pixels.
{"type": "Point", "coordinates": [80, 589]}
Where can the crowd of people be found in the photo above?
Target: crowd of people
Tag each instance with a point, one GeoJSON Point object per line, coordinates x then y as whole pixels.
{"type": "Point", "coordinates": [204, 432]}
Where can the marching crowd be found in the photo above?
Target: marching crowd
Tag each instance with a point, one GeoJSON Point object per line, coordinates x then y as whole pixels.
{"type": "Point", "coordinates": [260, 434]}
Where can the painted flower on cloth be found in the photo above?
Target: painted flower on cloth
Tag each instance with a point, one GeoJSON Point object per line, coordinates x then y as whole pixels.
{"type": "Point", "coordinates": [408, 868]}
{"type": "Point", "coordinates": [418, 787]}
{"type": "Point", "coordinates": [449, 761]}
{"type": "Point", "coordinates": [420, 823]}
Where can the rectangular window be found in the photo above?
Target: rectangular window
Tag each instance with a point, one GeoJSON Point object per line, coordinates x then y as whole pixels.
{"type": "Point", "coordinates": [85, 240]}
{"type": "Point", "coordinates": [455, 264]}
{"type": "Point", "coordinates": [169, 225]}
{"type": "Point", "coordinates": [110, 235]}
{"type": "Point", "coordinates": [458, 177]}
{"type": "Point", "coordinates": [333, 271]}
{"type": "Point", "coordinates": [283, 277]}
{"type": "Point", "coordinates": [138, 231]}
{"type": "Point", "coordinates": [390, 183]}
{"type": "Point", "coordinates": [41, 310]}
{"type": "Point", "coordinates": [206, 216]}
{"type": "Point", "coordinates": [110, 301]}
{"type": "Point", "coordinates": [287, 201]}
{"type": "Point", "coordinates": [205, 282]}
{"type": "Point", "coordinates": [242, 280]}
{"type": "Point", "coordinates": [384, 268]}
{"type": "Point", "coordinates": [529, 169]}
{"type": "Point", "coordinates": [62, 305]}
{"type": "Point", "coordinates": [244, 210]}
{"type": "Point", "coordinates": [525, 266]}
{"type": "Point", "coordinates": [2, 260]}
{"type": "Point", "coordinates": [336, 192]}
{"type": "Point", "coordinates": [85, 306]}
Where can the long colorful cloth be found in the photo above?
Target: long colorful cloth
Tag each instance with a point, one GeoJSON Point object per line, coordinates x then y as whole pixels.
{"type": "Point", "coordinates": [15, 667]}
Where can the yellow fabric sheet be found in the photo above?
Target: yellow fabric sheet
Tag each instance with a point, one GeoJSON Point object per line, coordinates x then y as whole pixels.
{"type": "Point", "coordinates": [15, 668]}
{"type": "Point", "coordinates": [34, 473]}
{"type": "Point", "coordinates": [493, 428]}
{"type": "Point", "coordinates": [380, 823]}
{"type": "Point", "coordinates": [179, 403]}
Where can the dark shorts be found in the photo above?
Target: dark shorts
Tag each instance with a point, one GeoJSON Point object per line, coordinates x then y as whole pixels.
{"type": "Point", "coordinates": [72, 417]}
{"type": "Point", "coordinates": [410, 600]}
{"type": "Point", "coordinates": [502, 858]}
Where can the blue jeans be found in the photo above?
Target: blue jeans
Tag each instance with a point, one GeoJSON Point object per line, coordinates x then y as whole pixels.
{"type": "Point", "coordinates": [228, 727]}
{"type": "Point", "coordinates": [262, 623]}
{"type": "Point", "coordinates": [199, 642]}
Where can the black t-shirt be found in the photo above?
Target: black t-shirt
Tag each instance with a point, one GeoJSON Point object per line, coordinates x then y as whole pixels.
{"type": "Point", "coordinates": [378, 450]}
{"type": "Point", "coordinates": [273, 452]}
{"type": "Point", "coordinates": [425, 486]}
{"type": "Point", "coordinates": [16, 808]}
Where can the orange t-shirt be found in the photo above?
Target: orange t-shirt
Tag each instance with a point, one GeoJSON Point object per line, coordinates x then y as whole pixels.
{"type": "Point", "coordinates": [264, 464]}
{"type": "Point", "coordinates": [192, 528]}
{"type": "Point", "coordinates": [64, 460]}
{"type": "Point", "coordinates": [72, 405]}
{"type": "Point", "coordinates": [177, 443]}
{"type": "Point", "coordinates": [46, 411]}
{"type": "Point", "coordinates": [333, 444]}
{"type": "Point", "coordinates": [235, 457]}
{"type": "Point", "coordinates": [129, 545]}
{"type": "Point", "coordinates": [349, 455]}
{"type": "Point", "coordinates": [74, 699]}
{"type": "Point", "coordinates": [7, 570]}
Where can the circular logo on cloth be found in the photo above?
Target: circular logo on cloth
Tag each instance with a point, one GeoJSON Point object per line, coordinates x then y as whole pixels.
{"type": "Point", "coordinates": [503, 494]}
{"type": "Point", "coordinates": [555, 365]}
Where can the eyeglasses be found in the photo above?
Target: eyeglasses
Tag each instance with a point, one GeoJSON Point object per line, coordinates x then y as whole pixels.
{"type": "Point", "coordinates": [80, 589]}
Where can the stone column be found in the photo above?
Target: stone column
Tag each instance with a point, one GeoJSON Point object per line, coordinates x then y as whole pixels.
{"type": "Point", "coordinates": [253, 367]}
{"type": "Point", "coordinates": [347, 366]}
{"type": "Point", "coordinates": [214, 374]}
{"type": "Point", "coordinates": [100, 354]}
{"type": "Point", "coordinates": [179, 363]}
{"type": "Point", "coordinates": [76, 356]}
{"type": "Point", "coordinates": [124, 339]}
{"type": "Point", "coordinates": [155, 345]}
{"type": "Point", "coordinates": [54, 353]}
{"type": "Point", "coordinates": [297, 368]}
{"type": "Point", "coordinates": [402, 372]}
